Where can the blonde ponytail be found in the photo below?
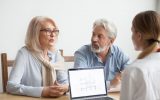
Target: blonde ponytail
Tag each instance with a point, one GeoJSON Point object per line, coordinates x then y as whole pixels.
{"type": "Point", "coordinates": [148, 50]}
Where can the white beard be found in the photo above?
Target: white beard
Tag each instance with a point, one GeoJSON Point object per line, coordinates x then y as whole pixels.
{"type": "Point", "coordinates": [100, 49]}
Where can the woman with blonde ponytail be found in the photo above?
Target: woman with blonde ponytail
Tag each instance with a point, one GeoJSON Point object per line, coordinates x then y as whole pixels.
{"type": "Point", "coordinates": [140, 80]}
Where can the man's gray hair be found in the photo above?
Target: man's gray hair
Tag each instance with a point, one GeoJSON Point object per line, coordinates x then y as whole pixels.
{"type": "Point", "coordinates": [108, 26]}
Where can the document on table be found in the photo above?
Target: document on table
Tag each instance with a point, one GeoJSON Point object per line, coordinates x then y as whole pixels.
{"type": "Point", "coordinates": [115, 89]}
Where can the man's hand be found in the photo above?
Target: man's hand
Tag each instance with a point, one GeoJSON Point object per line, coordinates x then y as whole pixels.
{"type": "Point", "coordinates": [116, 81]}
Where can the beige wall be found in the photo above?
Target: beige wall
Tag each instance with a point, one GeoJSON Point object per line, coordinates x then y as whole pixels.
{"type": "Point", "coordinates": [158, 6]}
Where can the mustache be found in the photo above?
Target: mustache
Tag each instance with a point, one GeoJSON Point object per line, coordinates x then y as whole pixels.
{"type": "Point", "coordinates": [93, 43]}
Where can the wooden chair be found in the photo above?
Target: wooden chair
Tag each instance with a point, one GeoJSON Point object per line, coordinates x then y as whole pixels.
{"type": "Point", "coordinates": [67, 58]}
{"type": "Point", "coordinates": [5, 62]}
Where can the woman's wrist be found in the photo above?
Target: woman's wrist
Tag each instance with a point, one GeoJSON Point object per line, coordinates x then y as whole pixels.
{"type": "Point", "coordinates": [45, 92]}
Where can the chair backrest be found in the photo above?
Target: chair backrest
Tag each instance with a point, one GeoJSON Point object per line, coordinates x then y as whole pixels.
{"type": "Point", "coordinates": [67, 58]}
{"type": "Point", "coordinates": [5, 62]}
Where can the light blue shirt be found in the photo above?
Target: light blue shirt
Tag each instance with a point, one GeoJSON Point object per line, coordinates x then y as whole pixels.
{"type": "Point", "coordinates": [26, 75]}
{"type": "Point", "coordinates": [116, 60]}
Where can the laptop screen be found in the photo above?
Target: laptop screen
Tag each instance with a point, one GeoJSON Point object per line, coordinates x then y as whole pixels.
{"type": "Point", "coordinates": [87, 82]}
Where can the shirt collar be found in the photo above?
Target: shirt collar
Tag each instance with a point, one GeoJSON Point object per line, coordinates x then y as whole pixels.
{"type": "Point", "coordinates": [50, 54]}
{"type": "Point", "coordinates": [111, 51]}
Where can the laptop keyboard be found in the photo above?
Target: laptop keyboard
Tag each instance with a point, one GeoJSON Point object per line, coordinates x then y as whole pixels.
{"type": "Point", "coordinates": [101, 98]}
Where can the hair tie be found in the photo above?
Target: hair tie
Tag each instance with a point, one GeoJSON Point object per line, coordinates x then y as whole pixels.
{"type": "Point", "coordinates": [157, 41]}
{"type": "Point", "coordinates": [153, 40]}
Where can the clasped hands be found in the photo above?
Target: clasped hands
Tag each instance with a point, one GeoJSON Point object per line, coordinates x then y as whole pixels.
{"type": "Point", "coordinates": [55, 90]}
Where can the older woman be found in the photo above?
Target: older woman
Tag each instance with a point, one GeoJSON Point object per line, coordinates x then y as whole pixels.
{"type": "Point", "coordinates": [140, 81]}
{"type": "Point", "coordinates": [34, 72]}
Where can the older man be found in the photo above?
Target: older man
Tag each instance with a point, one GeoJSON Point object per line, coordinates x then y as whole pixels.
{"type": "Point", "coordinates": [102, 52]}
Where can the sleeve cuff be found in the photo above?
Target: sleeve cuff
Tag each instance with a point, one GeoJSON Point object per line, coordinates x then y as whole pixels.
{"type": "Point", "coordinates": [108, 85]}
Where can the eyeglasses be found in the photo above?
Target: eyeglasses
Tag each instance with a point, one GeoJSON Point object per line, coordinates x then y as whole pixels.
{"type": "Point", "coordinates": [49, 31]}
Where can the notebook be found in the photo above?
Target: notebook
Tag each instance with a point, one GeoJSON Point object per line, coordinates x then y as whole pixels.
{"type": "Point", "coordinates": [87, 84]}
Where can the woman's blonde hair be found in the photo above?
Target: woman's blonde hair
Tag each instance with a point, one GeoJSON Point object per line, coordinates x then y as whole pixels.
{"type": "Point", "coordinates": [148, 24]}
{"type": "Point", "coordinates": [32, 36]}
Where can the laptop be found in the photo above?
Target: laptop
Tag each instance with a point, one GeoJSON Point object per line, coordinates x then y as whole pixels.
{"type": "Point", "coordinates": [87, 84]}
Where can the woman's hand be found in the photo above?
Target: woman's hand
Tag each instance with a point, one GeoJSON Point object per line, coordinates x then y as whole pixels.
{"type": "Point", "coordinates": [55, 90]}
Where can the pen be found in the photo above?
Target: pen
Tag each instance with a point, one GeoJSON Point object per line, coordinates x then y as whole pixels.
{"type": "Point", "coordinates": [119, 70]}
